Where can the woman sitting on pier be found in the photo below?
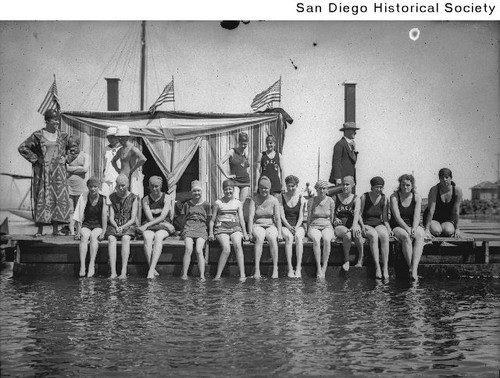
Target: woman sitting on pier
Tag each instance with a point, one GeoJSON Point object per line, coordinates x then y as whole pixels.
{"type": "Point", "coordinates": [320, 216]}
{"type": "Point", "coordinates": [122, 223]}
{"type": "Point", "coordinates": [405, 209]}
{"type": "Point", "coordinates": [197, 214]}
{"type": "Point", "coordinates": [375, 224]}
{"type": "Point", "coordinates": [156, 208]}
{"type": "Point", "coordinates": [292, 217]}
{"type": "Point", "coordinates": [346, 222]}
{"type": "Point", "coordinates": [441, 215]}
{"type": "Point", "coordinates": [264, 222]}
{"type": "Point", "coordinates": [91, 215]}
{"type": "Point", "coordinates": [228, 226]}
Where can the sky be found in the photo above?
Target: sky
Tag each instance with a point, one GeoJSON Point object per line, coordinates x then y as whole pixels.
{"type": "Point", "coordinates": [420, 105]}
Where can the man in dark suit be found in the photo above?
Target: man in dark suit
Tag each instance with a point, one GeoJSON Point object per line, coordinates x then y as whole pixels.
{"type": "Point", "coordinates": [344, 157]}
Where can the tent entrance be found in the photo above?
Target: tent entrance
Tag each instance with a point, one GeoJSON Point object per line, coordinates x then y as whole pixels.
{"type": "Point", "coordinates": [150, 168]}
{"type": "Point", "coordinates": [191, 173]}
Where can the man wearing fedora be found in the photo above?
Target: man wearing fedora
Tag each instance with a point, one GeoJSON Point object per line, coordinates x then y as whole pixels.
{"type": "Point", "coordinates": [344, 155]}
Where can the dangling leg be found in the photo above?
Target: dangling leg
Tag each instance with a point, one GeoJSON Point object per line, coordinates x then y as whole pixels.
{"type": "Point", "coordinates": [83, 247]}
{"type": "Point", "coordinates": [94, 245]}
{"type": "Point", "coordinates": [226, 249]}
{"type": "Point", "coordinates": [418, 248]}
{"type": "Point", "coordinates": [328, 234]}
{"type": "Point", "coordinates": [315, 236]}
{"type": "Point", "coordinates": [200, 244]}
{"type": "Point", "coordinates": [288, 237]}
{"type": "Point", "coordinates": [160, 235]}
{"type": "Point", "coordinates": [272, 238]}
{"type": "Point", "coordinates": [237, 238]}
{"type": "Point", "coordinates": [372, 236]}
{"type": "Point", "coordinates": [383, 236]}
{"type": "Point", "coordinates": [299, 250]}
{"type": "Point", "coordinates": [186, 261]}
{"type": "Point", "coordinates": [112, 255]}
{"type": "Point", "coordinates": [259, 233]}
{"type": "Point", "coordinates": [125, 255]}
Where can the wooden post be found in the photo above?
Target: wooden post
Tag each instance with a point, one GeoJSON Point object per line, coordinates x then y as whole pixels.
{"type": "Point", "coordinates": [486, 247]}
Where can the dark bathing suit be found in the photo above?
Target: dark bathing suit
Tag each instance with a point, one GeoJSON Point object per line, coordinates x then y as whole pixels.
{"type": "Point", "coordinates": [269, 167]}
{"type": "Point", "coordinates": [238, 165]}
{"type": "Point", "coordinates": [344, 212]}
{"type": "Point", "coordinates": [406, 213]}
{"type": "Point", "coordinates": [372, 214]}
{"type": "Point", "coordinates": [444, 210]}
{"type": "Point", "coordinates": [291, 213]}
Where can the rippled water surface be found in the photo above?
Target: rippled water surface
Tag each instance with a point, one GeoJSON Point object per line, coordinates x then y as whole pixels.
{"type": "Point", "coordinates": [341, 327]}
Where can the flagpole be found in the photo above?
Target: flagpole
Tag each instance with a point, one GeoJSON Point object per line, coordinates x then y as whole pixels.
{"type": "Point", "coordinates": [319, 154]}
{"type": "Point", "coordinates": [173, 87]}
{"type": "Point", "coordinates": [280, 93]}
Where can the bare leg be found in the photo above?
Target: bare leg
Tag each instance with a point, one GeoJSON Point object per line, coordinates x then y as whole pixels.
{"type": "Point", "coordinates": [112, 255]}
{"type": "Point", "coordinates": [94, 245]}
{"type": "Point", "coordinates": [244, 193]}
{"type": "Point", "coordinates": [272, 238]}
{"type": "Point", "coordinates": [361, 250]}
{"type": "Point", "coordinates": [448, 229]}
{"type": "Point", "coordinates": [372, 236]}
{"type": "Point", "coordinates": [343, 232]}
{"type": "Point", "coordinates": [55, 227]}
{"type": "Point", "coordinates": [299, 250]}
{"type": "Point", "coordinates": [160, 235]}
{"type": "Point", "coordinates": [405, 241]}
{"type": "Point", "coordinates": [315, 236]}
{"type": "Point", "coordinates": [435, 228]}
{"type": "Point", "coordinates": [328, 234]}
{"type": "Point", "coordinates": [188, 242]}
{"type": "Point", "coordinates": [288, 237]}
{"type": "Point", "coordinates": [418, 247]}
{"type": "Point", "coordinates": [226, 249]}
{"type": "Point", "coordinates": [148, 237]}
{"type": "Point", "coordinates": [259, 234]}
{"type": "Point", "coordinates": [125, 255]}
{"type": "Point", "coordinates": [200, 243]}
{"type": "Point", "coordinates": [383, 236]}
{"type": "Point", "coordinates": [83, 247]}
{"type": "Point", "coordinates": [236, 238]}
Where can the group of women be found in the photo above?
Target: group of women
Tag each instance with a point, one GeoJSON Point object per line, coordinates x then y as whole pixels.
{"type": "Point", "coordinates": [276, 212]}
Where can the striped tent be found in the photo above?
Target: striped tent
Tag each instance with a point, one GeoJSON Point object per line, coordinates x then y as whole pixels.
{"type": "Point", "coordinates": [174, 137]}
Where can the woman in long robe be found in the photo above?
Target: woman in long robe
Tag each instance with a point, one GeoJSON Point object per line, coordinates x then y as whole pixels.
{"type": "Point", "coordinates": [46, 150]}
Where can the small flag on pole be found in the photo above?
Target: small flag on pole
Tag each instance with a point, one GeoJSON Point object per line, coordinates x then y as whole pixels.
{"type": "Point", "coordinates": [51, 101]}
{"type": "Point", "coordinates": [166, 96]}
{"type": "Point", "coordinates": [273, 93]}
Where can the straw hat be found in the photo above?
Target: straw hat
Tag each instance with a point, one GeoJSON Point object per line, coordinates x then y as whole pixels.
{"type": "Point", "coordinates": [122, 130]}
{"type": "Point", "coordinates": [111, 131]}
{"type": "Point", "coordinates": [349, 126]}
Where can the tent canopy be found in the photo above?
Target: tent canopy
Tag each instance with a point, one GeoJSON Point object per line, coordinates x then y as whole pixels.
{"type": "Point", "coordinates": [174, 137]}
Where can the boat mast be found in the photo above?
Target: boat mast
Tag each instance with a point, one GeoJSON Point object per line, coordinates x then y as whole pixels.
{"type": "Point", "coordinates": [143, 62]}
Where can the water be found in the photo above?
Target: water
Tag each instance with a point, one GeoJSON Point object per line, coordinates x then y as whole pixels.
{"type": "Point", "coordinates": [169, 327]}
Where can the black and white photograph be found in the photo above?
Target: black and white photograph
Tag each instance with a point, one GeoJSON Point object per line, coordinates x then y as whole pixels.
{"type": "Point", "coordinates": [250, 198]}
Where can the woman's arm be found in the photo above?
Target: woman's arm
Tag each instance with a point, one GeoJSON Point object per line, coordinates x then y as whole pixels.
{"type": "Point", "coordinates": [104, 219]}
{"type": "Point", "coordinates": [361, 209]}
{"type": "Point", "coordinates": [300, 219]}
{"type": "Point", "coordinates": [211, 223]}
{"type": "Point", "coordinates": [277, 218]}
{"type": "Point", "coordinates": [115, 159]}
{"type": "Point", "coordinates": [242, 221]}
{"type": "Point", "coordinates": [432, 208]}
{"type": "Point", "coordinates": [282, 173]}
{"type": "Point", "coordinates": [456, 210]}
{"type": "Point", "coordinates": [385, 216]}
{"type": "Point", "coordinates": [258, 171]}
{"type": "Point", "coordinates": [251, 215]}
{"type": "Point", "coordinates": [356, 219]}
{"type": "Point", "coordinates": [133, 215]}
{"type": "Point", "coordinates": [416, 213]}
{"type": "Point", "coordinates": [141, 159]}
{"type": "Point", "coordinates": [223, 161]}
{"type": "Point", "coordinates": [26, 149]}
{"type": "Point", "coordinates": [149, 215]}
{"type": "Point", "coordinates": [112, 221]}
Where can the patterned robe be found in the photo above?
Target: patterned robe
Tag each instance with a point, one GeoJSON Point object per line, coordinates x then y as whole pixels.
{"type": "Point", "coordinates": [49, 188]}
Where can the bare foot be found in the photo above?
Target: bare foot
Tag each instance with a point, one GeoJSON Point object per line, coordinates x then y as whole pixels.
{"type": "Point", "coordinates": [298, 273]}
{"type": "Point", "coordinates": [256, 275]}
{"type": "Point", "coordinates": [359, 264]}
{"type": "Point", "coordinates": [414, 276]}
{"type": "Point", "coordinates": [346, 266]}
{"type": "Point", "coordinates": [291, 273]}
{"type": "Point", "coordinates": [386, 274]}
{"type": "Point", "coordinates": [275, 273]}
{"type": "Point", "coordinates": [156, 273]}
{"type": "Point", "coordinates": [91, 271]}
{"type": "Point", "coordinates": [122, 276]}
{"type": "Point", "coordinates": [184, 277]}
{"type": "Point", "coordinates": [217, 278]}
{"type": "Point", "coordinates": [82, 272]}
{"type": "Point", "coordinates": [113, 275]}
{"type": "Point", "coordinates": [243, 279]}
{"type": "Point", "coordinates": [150, 275]}
{"type": "Point", "coordinates": [202, 278]}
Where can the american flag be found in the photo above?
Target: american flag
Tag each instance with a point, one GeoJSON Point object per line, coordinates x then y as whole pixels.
{"type": "Point", "coordinates": [51, 101]}
{"type": "Point", "coordinates": [273, 93]}
{"type": "Point", "coordinates": [166, 96]}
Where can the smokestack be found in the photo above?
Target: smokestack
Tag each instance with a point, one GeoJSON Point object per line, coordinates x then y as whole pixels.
{"type": "Point", "coordinates": [349, 102]}
{"type": "Point", "coordinates": [112, 93]}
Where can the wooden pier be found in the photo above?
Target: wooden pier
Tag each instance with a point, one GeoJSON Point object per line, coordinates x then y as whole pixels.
{"type": "Point", "coordinates": [473, 255]}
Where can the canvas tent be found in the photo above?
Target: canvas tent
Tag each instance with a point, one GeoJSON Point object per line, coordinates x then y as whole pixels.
{"type": "Point", "coordinates": [174, 137]}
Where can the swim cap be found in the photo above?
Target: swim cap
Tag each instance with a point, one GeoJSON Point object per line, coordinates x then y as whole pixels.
{"type": "Point", "coordinates": [155, 180]}
{"type": "Point", "coordinates": [243, 138]}
{"type": "Point", "coordinates": [227, 183]}
{"type": "Point", "coordinates": [264, 182]}
{"type": "Point", "coordinates": [195, 184]}
{"type": "Point", "coordinates": [291, 180]}
{"type": "Point", "coordinates": [321, 184]}
{"type": "Point", "coordinates": [377, 180]}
